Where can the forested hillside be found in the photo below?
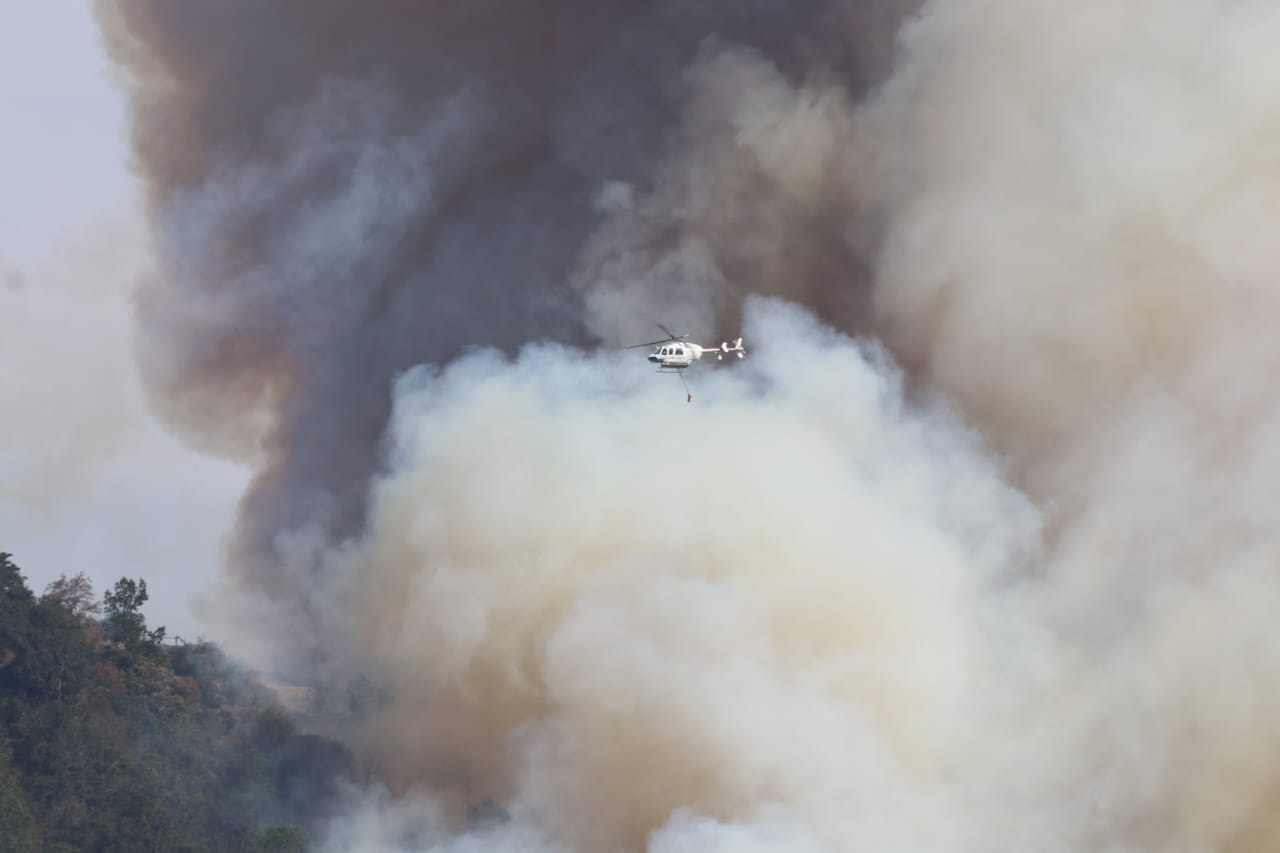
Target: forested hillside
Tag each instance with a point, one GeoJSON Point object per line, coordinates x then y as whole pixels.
{"type": "Point", "coordinates": [111, 739]}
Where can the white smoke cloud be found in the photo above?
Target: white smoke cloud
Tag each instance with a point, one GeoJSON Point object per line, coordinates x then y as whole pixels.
{"type": "Point", "coordinates": [375, 821]}
{"type": "Point", "coordinates": [1077, 252]}
{"type": "Point", "coordinates": [1078, 208]}
{"type": "Point", "coordinates": [783, 612]}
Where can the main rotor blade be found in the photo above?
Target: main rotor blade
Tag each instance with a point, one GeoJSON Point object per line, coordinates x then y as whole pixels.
{"type": "Point", "coordinates": [650, 344]}
{"type": "Point", "coordinates": [671, 334]}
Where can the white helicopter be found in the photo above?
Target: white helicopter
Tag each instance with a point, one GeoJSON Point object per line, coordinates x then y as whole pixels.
{"type": "Point", "coordinates": [674, 354]}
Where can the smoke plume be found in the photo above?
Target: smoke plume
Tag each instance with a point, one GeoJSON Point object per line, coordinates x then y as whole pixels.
{"type": "Point", "coordinates": [975, 550]}
{"type": "Point", "coordinates": [340, 193]}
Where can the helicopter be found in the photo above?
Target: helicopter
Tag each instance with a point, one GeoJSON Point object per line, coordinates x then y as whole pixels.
{"type": "Point", "coordinates": [674, 354]}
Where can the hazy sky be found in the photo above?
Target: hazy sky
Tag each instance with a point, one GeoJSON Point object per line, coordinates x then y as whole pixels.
{"type": "Point", "coordinates": [88, 480]}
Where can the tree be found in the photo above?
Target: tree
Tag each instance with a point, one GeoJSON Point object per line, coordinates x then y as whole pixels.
{"type": "Point", "coordinates": [16, 641]}
{"type": "Point", "coordinates": [126, 745]}
{"type": "Point", "coordinates": [75, 595]}
{"type": "Point", "coordinates": [13, 586]}
{"type": "Point", "coordinates": [125, 623]}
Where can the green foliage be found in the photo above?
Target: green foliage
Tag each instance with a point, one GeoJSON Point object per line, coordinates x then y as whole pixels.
{"type": "Point", "coordinates": [15, 624]}
{"type": "Point", "coordinates": [125, 622]}
{"type": "Point", "coordinates": [13, 586]}
{"type": "Point", "coordinates": [43, 649]}
{"type": "Point", "coordinates": [110, 740]}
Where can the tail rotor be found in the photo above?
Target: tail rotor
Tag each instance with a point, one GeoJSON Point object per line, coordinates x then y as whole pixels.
{"type": "Point", "coordinates": [726, 349]}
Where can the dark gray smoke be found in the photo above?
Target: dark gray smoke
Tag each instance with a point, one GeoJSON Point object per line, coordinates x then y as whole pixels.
{"type": "Point", "coordinates": [341, 191]}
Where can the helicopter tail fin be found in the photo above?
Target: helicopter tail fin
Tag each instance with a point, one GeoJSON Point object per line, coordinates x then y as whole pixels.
{"type": "Point", "coordinates": [725, 349]}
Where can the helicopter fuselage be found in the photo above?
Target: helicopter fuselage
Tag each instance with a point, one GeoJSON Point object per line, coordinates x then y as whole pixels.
{"type": "Point", "coordinates": [676, 356]}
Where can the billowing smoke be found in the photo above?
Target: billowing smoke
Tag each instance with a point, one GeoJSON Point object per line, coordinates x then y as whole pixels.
{"type": "Point", "coordinates": [615, 611]}
{"type": "Point", "coordinates": [975, 551]}
{"type": "Point", "coordinates": [343, 191]}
